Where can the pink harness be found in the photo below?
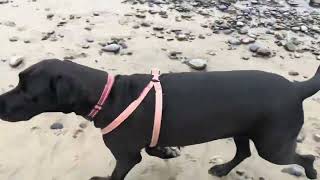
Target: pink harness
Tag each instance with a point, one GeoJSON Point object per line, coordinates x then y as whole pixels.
{"type": "Point", "coordinates": [155, 82]}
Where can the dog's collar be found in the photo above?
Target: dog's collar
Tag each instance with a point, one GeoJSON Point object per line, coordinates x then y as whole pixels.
{"type": "Point", "coordinates": [104, 96]}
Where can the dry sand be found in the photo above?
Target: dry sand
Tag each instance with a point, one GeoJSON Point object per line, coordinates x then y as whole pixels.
{"type": "Point", "coordinates": [32, 151]}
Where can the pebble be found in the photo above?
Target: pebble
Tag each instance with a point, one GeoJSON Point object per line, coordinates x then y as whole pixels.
{"type": "Point", "coordinates": [316, 137]}
{"type": "Point", "coordinates": [243, 31]}
{"type": "Point", "coordinates": [13, 39]}
{"type": "Point", "coordinates": [181, 37]}
{"type": "Point", "coordinates": [112, 48]}
{"type": "Point", "coordinates": [247, 40]}
{"type": "Point", "coordinates": [90, 40]}
{"type": "Point", "coordinates": [245, 58]}
{"type": "Point", "coordinates": [289, 46]}
{"type": "Point", "coordinates": [240, 24]}
{"type": "Point", "coordinates": [50, 16]}
{"type": "Point", "coordinates": [174, 54]}
{"type": "Point", "coordinates": [254, 47]}
{"type": "Point", "coordinates": [264, 52]}
{"type": "Point", "coordinates": [158, 28]}
{"type": "Point", "coordinates": [293, 170]}
{"type": "Point", "coordinates": [4, 1]}
{"type": "Point", "coordinates": [297, 55]}
{"type": "Point", "coordinates": [240, 172]}
{"type": "Point", "coordinates": [293, 73]}
{"type": "Point", "coordinates": [318, 57]}
{"type": "Point", "coordinates": [140, 15]}
{"type": "Point", "coordinates": [56, 125]}
{"type": "Point", "coordinates": [15, 61]}
{"type": "Point", "coordinates": [136, 26]}
{"type": "Point", "coordinates": [197, 64]}
{"type": "Point", "coordinates": [234, 41]}
{"type": "Point", "coordinates": [304, 28]}
{"type": "Point", "coordinates": [145, 24]}
{"type": "Point", "coordinates": [222, 7]}
{"type": "Point", "coordinates": [83, 125]}
{"type": "Point", "coordinates": [201, 36]}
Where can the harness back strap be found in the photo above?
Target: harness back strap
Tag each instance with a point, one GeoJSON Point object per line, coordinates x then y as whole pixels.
{"type": "Point", "coordinates": [155, 82]}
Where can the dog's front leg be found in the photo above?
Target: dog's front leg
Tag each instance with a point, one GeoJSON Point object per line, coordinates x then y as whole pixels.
{"type": "Point", "coordinates": [163, 152]}
{"type": "Point", "coordinates": [124, 164]}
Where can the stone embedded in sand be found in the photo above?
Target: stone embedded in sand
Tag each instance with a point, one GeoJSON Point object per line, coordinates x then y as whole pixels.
{"type": "Point", "coordinates": [240, 172]}
{"type": "Point", "coordinates": [13, 39]}
{"type": "Point", "coordinates": [245, 58]}
{"type": "Point", "coordinates": [318, 57]}
{"type": "Point", "coordinates": [293, 73]}
{"type": "Point", "coordinates": [56, 125]}
{"type": "Point", "coordinates": [4, 1]}
{"type": "Point", "coordinates": [316, 137]}
{"type": "Point", "coordinates": [83, 125]}
{"type": "Point", "coordinates": [234, 41]}
{"type": "Point", "coordinates": [254, 47]}
{"type": "Point", "coordinates": [264, 52]}
{"type": "Point", "coordinates": [115, 48]}
{"type": "Point", "coordinates": [15, 61]}
{"type": "Point", "coordinates": [139, 15]}
{"type": "Point", "coordinates": [289, 46]}
{"type": "Point", "coordinates": [197, 64]}
{"type": "Point", "coordinates": [181, 37]}
{"type": "Point", "coordinates": [247, 40]}
{"type": "Point", "coordinates": [158, 28]}
{"type": "Point", "coordinates": [50, 16]}
{"type": "Point", "coordinates": [201, 36]}
{"type": "Point", "coordinates": [145, 24]}
{"type": "Point", "coordinates": [9, 23]}
{"type": "Point", "coordinates": [243, 31]}
{"type": "Point", "coordinates": [96, 14]}
{"type": "Point", "coordinates": [304, 28]}
{"type": "Point", "coordinates": [222, 7]}
{"type": "Point", "coordinates": [240, 24]}
{"type": "Point", "coordinates": [293, 170]}
{"type": "Point", "coordinates": [174, 55]}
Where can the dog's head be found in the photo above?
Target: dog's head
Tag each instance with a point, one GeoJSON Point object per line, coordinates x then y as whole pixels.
{"type": "Point", "coordinates": [43, 87]}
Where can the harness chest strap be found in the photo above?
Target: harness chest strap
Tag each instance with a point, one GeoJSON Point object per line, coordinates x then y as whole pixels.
{"type": "Point", "coordinates": [154, 83]}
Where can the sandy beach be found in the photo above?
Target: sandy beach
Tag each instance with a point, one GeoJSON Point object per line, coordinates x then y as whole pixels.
{"type": "Point", "coordinates": [77, 30]}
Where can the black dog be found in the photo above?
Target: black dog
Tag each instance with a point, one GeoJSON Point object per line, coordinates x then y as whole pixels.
{"type": "Point", "coordinates": [198, 107]}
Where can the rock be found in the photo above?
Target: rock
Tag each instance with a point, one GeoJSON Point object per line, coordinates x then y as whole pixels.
{"type": "Point", "coordinates": [247, 40]}
{"type": "Point", "coordinates": [316, 137]}
{"type": "Point", "coordinates": [9, 23]}
{"type": "Point", "coordinates": [295, 28]}
{"type": "Point", "coordinates": [136, 26]}
{"type": "Point", "coordinates": [96, 14]}
{"type": "Point", "coordinates": [15, 61]}
{"type": "Point", "coordinates": [85, 46]}
{"type": "Point", "coordinates": [234, 41]}
{"type": "Point", "coordinates": [240, 172]}
{"type": "Point", "coordinates": [297, 55]}
{"type": "Point", "coordinates": [314, 3]}
{"type": "Point", "coordinates": [289, 46]}
{"type": "Point", "coordinates": [243, 31]}
{"type": "Point", "coordinates": [293, 170]}
{"type": "Point", "coordinates": [115, 48]}
{"type": "Point", "coordinates": [197, 64]}
{"type": "Point", "coordinates": [240, 24]}
{"type": "Point", "coordinates": [318, 57]}
{"type": "Point", "coordinates": [145, 24]}
{"type": "Point", "coordinates": [264, 52]}
{"type": "Point", "coordinates": [4, 1]}
{"type": "Point", "coordinates": [201, 36]}
{"type": "Point", "coordinates": [212, 53]}
{"type": "Point", "coordinates": [13, 39]}
{"type": "Point", "coordinates": [304, 28]}
{"type": "Point", "coordinates": [254, 47]}
{"type": "Point", "coordinates": [27, 41]}
{"type": "Point", "coordinates": [90, 40]}
{"type": "Point", "coordinates": [83, 125]}
{"type": "Point", "coordinates": [50, 16]}
{"type": "Point", "coordinates": [158, 28]}
{"type": "Point", "coordinates": [293, 73]}
{"type": "Point", "coordinates": [181, 37]}
{"type": "Point", "coordinates": [222, 7]}
{"type": "Point", "coordinates": [139, 15]}
{"type": "Point", "coordinates": [174, 54]}
{"type": "Point", "coordinates": [245, 58]}
{"type": "Point", "coordinates": [56, 125]}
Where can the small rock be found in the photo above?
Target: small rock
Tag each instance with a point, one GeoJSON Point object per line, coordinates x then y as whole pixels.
{"type": "Point", "coordinates": [145, 24]}
{"type": "Point", "coordinates": [197, 64]}
{"type": "Point", "coordinates": [136, 26]}
{"type": "Point", "coordinates": [4, 1]}
{"type": "Point", "coordinates": [245, 58]}
{"type": "Point", "coordinates": [222, 7]}
{"type": "Point", "coordinates": [83, 125]}
{"type": "Point", "coordinates": [85, 46]}
{"type": "Point", "coordinates": [13, 39]}
{"type": "Point", "coordinates": [27, 41]}
{"type": "Point", "coordinates": [264, 52]}
{"type": "Point", "coordinates": [293, 73]}
{"type": "Point", "coordinates": [90, 40]}
{"type": "Point", "coordinates": [240, 24]}
{"type": "Point", "coordinates": [50, 16]}
{"type": "Point", "coordinates": [243, 31]}
{"type": "Point", "coordinates": [56, 126]}
{"type": "Point", "coordinates": [96, 14]}
{"type": "Point", "coordinates": [316, 137]}
{"type": "Point", "coordinates": [139, 15]}
{"type": "Point", "coordinates": [9, 23]}
{"type": "Point", "coordinates": [289, 46]}
{"type": "Point", "coordinates": [318, 57]}
{"type": "Point", "coordinates": [15, 61]}
{"type": "Point", "coordinates": [174, 55]}
{"type": "Point", "coordinates": [254, 47]}
{"type": "Point", "coordinates": [304, 28]}
{"type": "Point", "coordinates": [293, 170]}
{"type": "Point", "coordinates": [115, 48]}
{"type": "Point", "coordinates": [297, 55]}
{"type": "Point", "coordinates": [240, 172]}
{"type": "Point", "coordinates": [247, 40]}
{"type": "Point", "coordinates": [181, 37]}
{"type": "Point", "coordinates": [295, 28]}
{"type": "Point", "coordinates": [201, 36]}
{"type": "Point", "coordinates": [158, 28]}
{"type": "Point", "coordinates": [234, 41]}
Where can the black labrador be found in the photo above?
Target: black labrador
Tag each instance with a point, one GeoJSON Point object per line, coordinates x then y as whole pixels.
{"type": "Point", "coordinates": [198, 107]}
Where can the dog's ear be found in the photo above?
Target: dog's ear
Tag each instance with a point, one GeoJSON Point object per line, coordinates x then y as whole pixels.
{"type": "Point", "coordinates": [63, 89]}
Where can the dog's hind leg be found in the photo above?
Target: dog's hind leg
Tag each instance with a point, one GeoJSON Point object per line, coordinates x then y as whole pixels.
{"type": "Point", "coordinates": [243, 151]}
{"type": "Point", "coordinates": [163, 152]}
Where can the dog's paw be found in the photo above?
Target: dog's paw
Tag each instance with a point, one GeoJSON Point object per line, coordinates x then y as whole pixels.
{"type": "Point", "coordinates": [100, 178]}
{"type": "Point", "coordinates": [163, 152]}
{"type": "Point", "coordinates": [219, 170]}
{"type": "Point", "coordinates": [311, 174]}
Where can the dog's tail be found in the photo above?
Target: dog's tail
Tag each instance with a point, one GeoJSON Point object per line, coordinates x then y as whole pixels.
{"type": "Point", "coordinates": [309, 87]}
